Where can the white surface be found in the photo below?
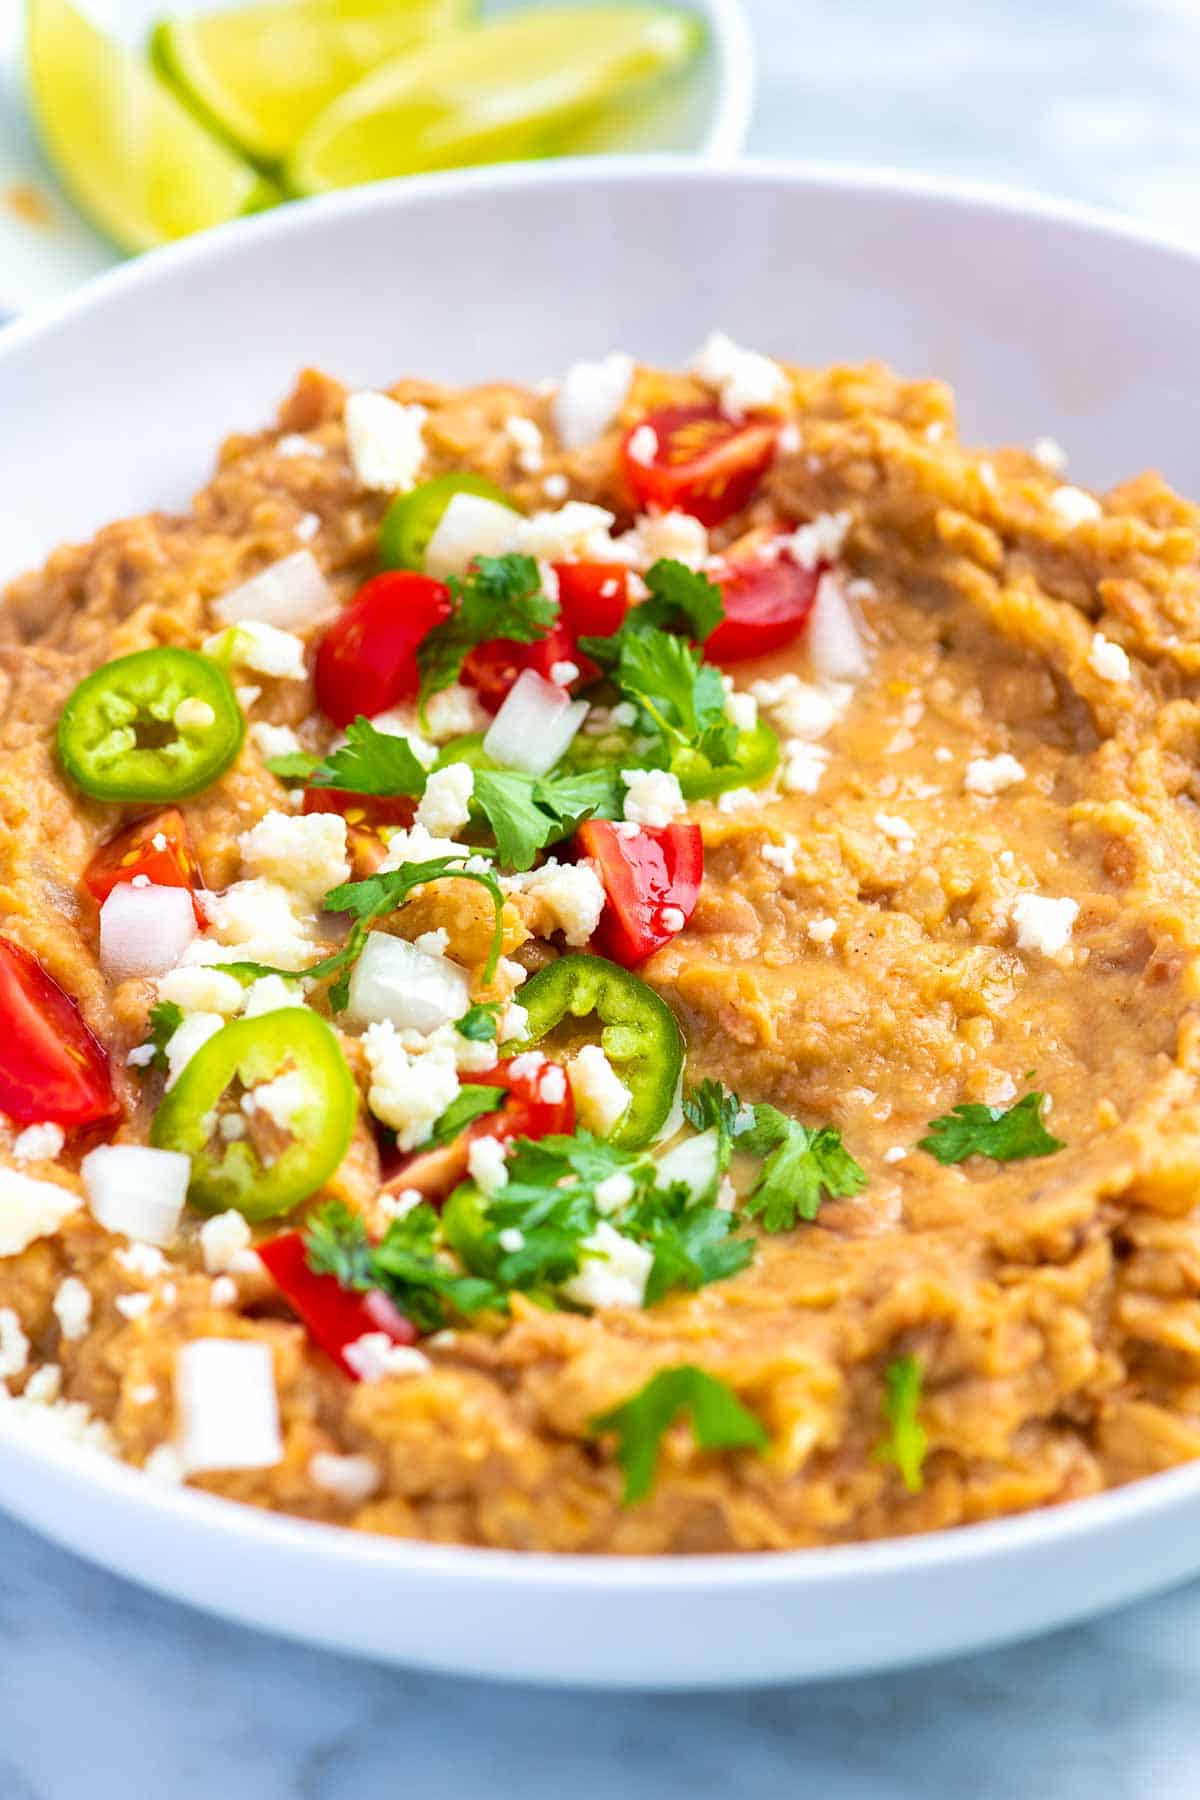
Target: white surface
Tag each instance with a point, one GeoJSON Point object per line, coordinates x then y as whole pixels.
{"type": "Point", "coordinates": [1027, 310]}
{"type": "Point", "coordinates": [708, 114]}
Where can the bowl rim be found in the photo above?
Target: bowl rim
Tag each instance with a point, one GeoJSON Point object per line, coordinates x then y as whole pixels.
{"type": "Point", "coordinates": [1046, 1529]}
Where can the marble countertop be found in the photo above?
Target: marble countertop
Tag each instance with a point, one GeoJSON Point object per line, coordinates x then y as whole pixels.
{"type": "Point", "coordinates": [1095, 100]}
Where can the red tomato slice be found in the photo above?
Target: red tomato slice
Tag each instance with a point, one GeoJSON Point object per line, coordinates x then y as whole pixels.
{"type": "Point", "coordinates": [368, 810]}
{"type": "Point", "coordinates": [160, 848]}
{"type": "Point", "coordinates": [594, 597]}
{"type": "Point", "coordinates": [367, 660]}
{"type": "Point", "coordinates": [538, 1104]}
{"type": "Point", "coordinates": [704, 463]}
{"type": "Point", "coordinates": [334, 1316]}
{"type": "Point", "coordinates": [645, 875]}
{"type": "Point", "coordinates": [767, 603]}
{"type": "Point", "coordinates": [51, 1067]}
{"type": "Point", "coordinates": [492, 667]}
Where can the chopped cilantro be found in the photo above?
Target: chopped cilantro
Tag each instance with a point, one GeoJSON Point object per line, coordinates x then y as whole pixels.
{"type": "Point", "coordinates": [479, 1024]}
{"type": "Point", "coordinates": [405, 1264]}
{"type": "Point", "coordinates": [681, 599]}
{"type": "Point", "coordinates": [692, 1241]}
{"type": "Point", "coordinates": [527, 812]}
{"type": "Point", "coordinates": [471, 1102]}
{"type": "Point", "coordinates": [974, 1130]}
{"type": "Point", "coordinates": [369, 762]}
{"type": "Point", "coordinates": [712, 1106]}
{"type": "Point", "coordinates": [293, 765]}
{"type": "Point", "coordinates": [906, 1443]}
{"type": "Point", "coordinates": [802, 1166]}
{"type": "Point", "coordinates": [165, 1019]}
{"type": "Point", "coordinates": [719, 1422]}
{"type": "Point", "coordinates": [681, 697]}
{"type": "Point", "coordinates": [499, 597]}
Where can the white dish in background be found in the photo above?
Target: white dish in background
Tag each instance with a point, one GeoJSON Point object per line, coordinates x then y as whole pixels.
{"type": "Point", "coordinates": [116, 403]}
{"type": "Point", "coordinates": [46, 256]}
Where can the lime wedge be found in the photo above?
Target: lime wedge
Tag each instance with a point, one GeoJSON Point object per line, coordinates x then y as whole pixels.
{"type": "Point", "coordinates": [130, 154]}
{"type": "Point", "coordinates": [505, 90]}
{"type": "Point", "coordinates": [261, 74]}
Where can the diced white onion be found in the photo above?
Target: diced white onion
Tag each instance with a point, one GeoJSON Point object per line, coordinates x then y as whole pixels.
{"type": "Point", "coordinates": [695, 1162]}
{"type": "Point", "coordinates": [394, 980]}
{"type": "Point", "coordinates": [228, 1405]}
{"type": "Point", "coordinates": [144, 930]}
{"type": "Point", "coordinates": [534, 725]}
{"type": "Point", "coordinates": [136, 1191]}
{"type": "Point", "coordinates": [291, 593]}
{"type": "Point", "coordinates": [835, 648]}
{"type": "Point", "coordinates": [470, 526]}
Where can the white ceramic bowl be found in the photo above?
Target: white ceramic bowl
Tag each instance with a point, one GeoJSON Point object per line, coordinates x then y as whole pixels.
{"type": "Point", "coordinates": [1049, 320]}
{"type": "Point", "coordinates": [707, 115]}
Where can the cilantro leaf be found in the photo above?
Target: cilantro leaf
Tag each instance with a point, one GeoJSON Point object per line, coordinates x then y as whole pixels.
{"type": "Point", "coordinates": [719, 1422]}
{"type": "Point", "coordinates": [371, 762]}
{"type": "Point", "coordinates": [691, 1240]}
{"type": "Point", "coordinates": [405, 1265]}
{"type": "Point", "coordinates": [528, 812]}
{"type": "Point", "coordinates": [471, 1102]}
{"type": "Point", "coordinates": [479, 1023]}
{"type": "Point", "coordinates": [165, 1019]}
{"type": "Point", "coordinates": [713, 1106]}
{"type": "Point", "coordinates": [680, 696]}
{"type": "Point", "coordinates": [499, 597]}
{"type": "Point", "coordinates": [336, 1243]}
{"type": "Point", "coordinates": [680, 598]}
{"type": "Point", "coordinates": [974, 1130]}
{"type": "Point", "coordinates": [294, 765]}
{"type": "Point", "coordinates": [906, 1443]}
{"type": "Point", "coordinates": [802, 1167]}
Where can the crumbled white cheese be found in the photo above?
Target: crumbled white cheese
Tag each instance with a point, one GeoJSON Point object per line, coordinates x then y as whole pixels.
{"type": "Point", "coordinates": [897, 830]}
{"type": "Point", "coordinates": [305, 853]}
{"type": "Point", "coordinates": [446, 803]}
{"type": "Point", "coordinates": [274, 740]}
{"type": "Point", "coordinates": [39, 1143]}
{"type": "Point", "coordinates": [488, 1163]}
{"type": "Point", "coordinates": [132, 1306]}
{"type": "Point", "coordinates": [292, 443]}
{"type": "Point", "coordinates": [572, 894]}
{"type": "Point", "coordinates": [282, 1100]}
{"type": "Point", "coordinates": [224, 1241]}
{"type": "Point", "coordinates": [799, 709]}
{"type": "Point", "coordinates": [740, 799]}
{"type": "Point", "coordinates": [30, 1209]}
{"type": "Point", "coordinates": [526, 439]}
{"type": "Point", "coordinates": [72, 1308]}
{"type": "Point", "coordinates": [350, 1479]}
{"type": "Point", "coordinates": [643, 445]}
{"type": "Point", "coordinates": [564, 673]}
{"type": "Point", "coordinates": [1050, 454]}
{"type": "Point", "coordinates": [590, 397]}
{"type": "Point", "coordinates": [821, 931]}
{"type": "Point", "coordinates": [791, 439]}
{"type": "Point", "coordinates": [307, 526]}
{"type": "Point", "coordinates": [385, 441]}
{"type": "Point", "coordinates": [143, 1260]}
{"type": "Point", "coordinates": [59, 1424]}
{"type": "Point", "coordinates": [1108, 660]}
{"type": "Point", "coordinates": [409, 1093]}
{"type": "Point", "coordinates": [164, 1464]}
{"type": "Point", "coordinates": [200, 987]}
{"type": "Point", "coordinates": [556, 487]}
{"type": "Point", "coordinates": [577, 530]}
{"type": "Point", "coordinates": [601, 1097]}
{"type": "Point", "coordinates": [675, 535]}
{"type": "Point", "coordinates": [896, 1154]}
{"type": "Point", "coordinates": [401, 722]}
{"type": "Point", "coordinates": [741, 709]}
{"type": "Point", "coordinates": [1073, 507]}
{"type": "Point", "coordinates": [820, 541]}
{"type": "Point", "coordinates": [614, 1273]}
{"type": "Point", "coordinates": [673, 918]}
{"type": "Point", "coordinates": [266, 649]}
{"type": "Point", "coordinates": [14, 1345]}
{"type": "Point", "coordinates": [782, 856]}
{"type": "Point", "coordinates": [374, 1356]}
{"type": "Point", "coordinates": [1043, 923]}
{"type": "Point", "coordinates": [454, 712]}
{"type": "Point", "coordinates": [745, 380]}
{"type": "Point", "coordinates": [418, 845]}
{"type": "Point", "coordinates": [652, 797]}
{"type": "Point", "coordinates": [228, 1405]}
{"type": "Point", "coordinates": [993, 774]}
{"type": "Point", "coordinates": [802, 766]}
{"type": "Point", "coordinates": [44, 1385]}
{"type": "Point", "coordinates": [511, 1238]}
{"type": "Point", "coordinates": [514, 1023]}
{"type": "Point", "coordinates": [184, 1042]}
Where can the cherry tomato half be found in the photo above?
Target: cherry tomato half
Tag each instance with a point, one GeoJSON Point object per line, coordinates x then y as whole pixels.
{"type": "Point", "coordinates": [593, 596]}
{"type": "Point", "coordinates": [767, 601]}
{"type": "Point", "coordinates": [367, 660]}
{"type": "Point", "coordinates": [538, 1103]}
{"type": "Point", "coordinates": [51, 1067]}
{"type": "Point", "coordinates": [647, 876]}
{"type": "Point", "coordinates": [335, 1317]}
{"type": "Point", "coordinates": [703, 463]}
{"type": "Point", "coordinates": [492, 667]}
